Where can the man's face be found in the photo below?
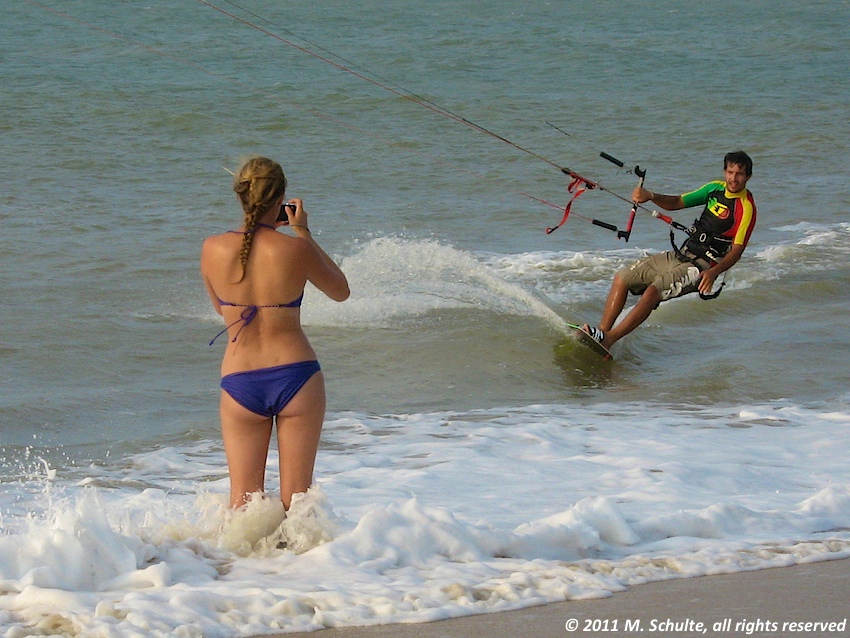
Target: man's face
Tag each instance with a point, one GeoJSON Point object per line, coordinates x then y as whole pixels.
{"type": "Point", "coordinates": [736, 178]}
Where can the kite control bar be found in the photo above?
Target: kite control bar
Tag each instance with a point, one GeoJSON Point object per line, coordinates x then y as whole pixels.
{"type": "Point", "coordinates": [622, 234]}
{"type": "Point", "coordinates": [579, 184]}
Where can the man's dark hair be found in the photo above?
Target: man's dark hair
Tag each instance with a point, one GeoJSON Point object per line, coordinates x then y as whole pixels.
{"type": "Point", "coordinates": [741, 159]}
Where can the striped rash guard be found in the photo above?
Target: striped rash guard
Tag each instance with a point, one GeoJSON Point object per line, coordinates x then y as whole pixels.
{"type": "Point", "coordinates": [728, 219]}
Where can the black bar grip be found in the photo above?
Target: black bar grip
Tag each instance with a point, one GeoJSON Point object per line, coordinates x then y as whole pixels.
{"type": "Point", "coordinates": [613, 160]}
{"type": "Point", "coordinates": [596, 222]}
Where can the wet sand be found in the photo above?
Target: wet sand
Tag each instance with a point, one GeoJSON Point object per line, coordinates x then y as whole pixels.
{"type": "Point", "coordinates": [767, 602]}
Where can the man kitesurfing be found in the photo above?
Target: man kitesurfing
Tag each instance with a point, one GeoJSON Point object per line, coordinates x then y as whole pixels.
{"type": "Point", "coordinates": [716, 242]}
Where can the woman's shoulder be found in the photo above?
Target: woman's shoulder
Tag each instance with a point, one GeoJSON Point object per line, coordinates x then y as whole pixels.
{"type": "Point", "coordinates": [218, 242]}
{"type": "Point", "coordinates": [217, 249]}
{"type": "Point", "coordinates": [266, 240]}
{"type": "Point", "coordinates": [281, 241]}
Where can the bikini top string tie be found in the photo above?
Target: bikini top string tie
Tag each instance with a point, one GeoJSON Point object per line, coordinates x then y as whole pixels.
{"type": "Point", "coordinates": [245, 317]}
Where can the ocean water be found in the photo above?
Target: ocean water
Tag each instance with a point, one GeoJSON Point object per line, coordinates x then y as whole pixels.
{"type": "Point", "coordinates": [465, 467]}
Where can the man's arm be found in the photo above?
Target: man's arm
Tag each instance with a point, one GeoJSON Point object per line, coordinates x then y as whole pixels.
{"type": "Point", "coordinates": [667, 202]}
{"type": "Point", "coordinates": [729, 259]}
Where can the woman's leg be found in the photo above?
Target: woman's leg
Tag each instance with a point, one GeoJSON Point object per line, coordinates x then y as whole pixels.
{"type": "Point", "coordinates": [246, 437]}
{"type": "Point", "coordinates": [299, 426]}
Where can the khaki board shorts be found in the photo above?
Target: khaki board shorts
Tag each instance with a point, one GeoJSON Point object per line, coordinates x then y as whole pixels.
{"type": "Point", "coordinates": [671, 276]}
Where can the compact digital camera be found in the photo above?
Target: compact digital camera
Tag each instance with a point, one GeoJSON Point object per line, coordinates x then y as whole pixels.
{"type": "Point", "coordinates": [282, 215]}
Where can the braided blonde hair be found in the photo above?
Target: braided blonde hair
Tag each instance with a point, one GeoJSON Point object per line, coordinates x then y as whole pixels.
{"type": "Point", "coordinates": [258, 184]}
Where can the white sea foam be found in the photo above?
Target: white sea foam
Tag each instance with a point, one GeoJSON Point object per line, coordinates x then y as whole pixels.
{"type": "Point", "coordinates": [425, 516]}
{"type": "Point", "coordinates": [395, 278]}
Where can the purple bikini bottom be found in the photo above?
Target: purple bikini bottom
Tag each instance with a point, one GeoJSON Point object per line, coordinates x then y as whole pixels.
{"type": "Point", "coordinates": [267, 391]}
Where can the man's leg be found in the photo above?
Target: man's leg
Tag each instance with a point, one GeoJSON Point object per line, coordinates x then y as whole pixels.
{"type": "Point", "coordinates": [648, 302]}
{"type": "Point", "coordinates": [614, 304]}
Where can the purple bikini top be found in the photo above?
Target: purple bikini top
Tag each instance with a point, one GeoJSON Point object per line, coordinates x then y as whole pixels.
{"type": "Point", "coordinates": [247, 315]}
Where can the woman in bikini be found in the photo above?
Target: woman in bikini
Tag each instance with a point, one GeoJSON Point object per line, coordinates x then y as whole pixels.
{"type": "Point", "coordinates": [255, 277]}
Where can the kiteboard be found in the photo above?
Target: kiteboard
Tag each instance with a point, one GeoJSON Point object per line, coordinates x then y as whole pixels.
{"type": "Point", "coordinates": [576, 346]}
{"type": "Point", "coordinates": [586, 341]}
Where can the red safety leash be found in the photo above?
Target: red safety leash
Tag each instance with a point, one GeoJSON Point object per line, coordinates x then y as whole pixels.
{"type": "Point", "coordinates": [577, 186]}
